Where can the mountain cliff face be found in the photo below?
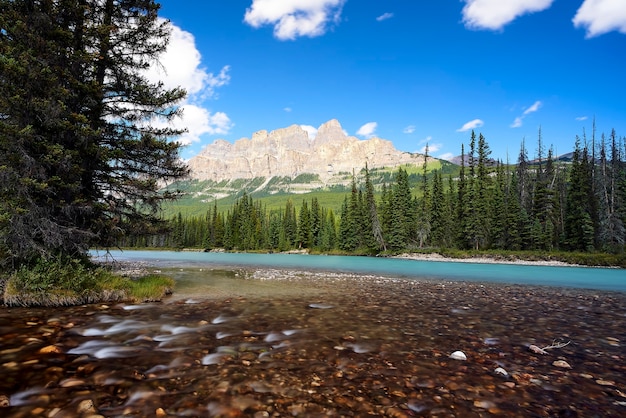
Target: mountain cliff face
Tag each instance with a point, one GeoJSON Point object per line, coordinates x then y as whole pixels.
{"type": "Point", "coordinates": [289, 152]}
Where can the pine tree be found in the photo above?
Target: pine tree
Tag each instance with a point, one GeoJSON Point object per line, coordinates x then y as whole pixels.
{"type": "Point", "coordinates": [462, 204]}
{"type": "Point", "coordinates": [374, 237]}
{"type": "Point", "coordinates": [290, 226]}
{"type": "Point", "coordinates": [80, 164]}
{"type": "Point", "coordinates": [483, 202]}
{"type": "Point", "coordinates": [542, 201]}
{"type": "Point", "coordinates": [401, 212]}
{"type": "Point", "coordinates": [304, 235]}
{"type": "Point", "coordinates": [349, 232]}
{"type": "Point", "coordinates": [579, 228]}
{"type": "Point", "coordinates": [316, 222]}
{"type": "Point", "coordinates": [612, 233]}
{"type": "Point", "coordinates": [423, 224]}
{"type": "Point", "coordinates": [328, 237]}
{"type": "Point", "coordinates": [439, 212]}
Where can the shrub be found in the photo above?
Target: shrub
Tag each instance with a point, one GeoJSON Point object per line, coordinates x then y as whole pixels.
{"type": "Point", "coordinates": [65, 282]}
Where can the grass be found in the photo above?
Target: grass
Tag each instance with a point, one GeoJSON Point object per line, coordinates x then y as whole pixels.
{"type": "Point", "coordinates": [150, 288]}
{"type": "Point", "coordinates": [200, 194]}
{"type": "Point", "coordinates": [72, 282]}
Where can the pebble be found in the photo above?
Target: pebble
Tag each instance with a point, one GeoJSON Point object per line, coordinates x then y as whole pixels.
{"type": "Point", "coordinates": [405, 326]}
{"type": "Point", "coordinates": [561, 363]}
{"type": "Point", "coordinates": [85, 406]}
{"type": "Point", "coordinates": [501, 371]}
{"type": "Point", "coordinates": [71, 382]}
{"type": "Point", "coordinates": [484, 404]}
{"type": "Point", "coordinates": [458, 355]}
{"type": "Point", "coordinates": [49, 349]}
{"type": "Point", "coordinates": [605, 382]}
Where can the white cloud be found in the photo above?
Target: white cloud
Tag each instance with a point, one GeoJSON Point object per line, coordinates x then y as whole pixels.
{"type": "Point", "coordinates": [180, 66]}
{"type": "Point", "coordinates": [384, 16]}
{"type": "Point", "coordinates": [368, 130]}
{"type": "Point", "coordinates": [198, 121]}
{"type": "Point", "coordinates": [294, 18]}
{"type": "Point", "coordinates": [581, 118]}
{"type": "Point", "coordinates": [533, 108]}
{"type": "Point", "coordinates": [495, 14]}
{"type": "Point", "coordinates": [447, 156]}
{"type": "Point", "coordinates": [287, 109]}
{"type": "Point", "coordinates": [409, 129]}
{"type": "Point", "coordinates": [601, 16]}
{"type": "Point", "coordinates": [518, 122]}
{"type": "Point", "coordinates": [311, 130]}
{"type": "Point", "coordinates": [431, 148]}
{"type": "Point", "coordinates": [472, 124]}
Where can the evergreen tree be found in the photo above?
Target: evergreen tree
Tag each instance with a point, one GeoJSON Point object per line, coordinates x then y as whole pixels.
{"type": "Point", "coordinates": [374, 236]}
{"type": "Point", "coordinates": [423, 224]}
{"type": "Point", "coordinates": [439, 212]}
{"type": "Point", "coordinates": [80, 164]}
{"type": "Point", "coordinates": [612, 233]}
{"type": "Point", "coordinates": [542, 202]}
{"type": "Point", "coordinates": [472, 216]}
{"type": "Point", "coordinates": [499, 224]}
{"type": "Point", "coordinates": [290, 226]}
{"type": "Point", "coordinates": [316, 222]}
{"type": "Point", "coordinates": [385, 212]}
{"type": "Point", "coordinates": [523, 179]}
{"type": "Point", "coordinates": [305, 235]}
{"type": "Point", "coordinates": [579, 228]}
{"type": "Point", "coordinates": [328, 237]}
{"type": "Point", "coordinates": [349, 232]}
{"type": "Point", "coordinates": [401, 212]}
{"type": "Point", "coordinates": [483, 202]}
{"type": "Point", "coordinates": [462, 204]}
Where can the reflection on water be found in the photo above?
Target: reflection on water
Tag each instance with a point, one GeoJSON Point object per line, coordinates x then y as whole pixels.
{"type": "Point", "coordinates": [274, 343]}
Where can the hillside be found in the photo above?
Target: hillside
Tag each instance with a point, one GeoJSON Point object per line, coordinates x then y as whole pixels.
{"type": "Point", "coordinates": [286, 162]}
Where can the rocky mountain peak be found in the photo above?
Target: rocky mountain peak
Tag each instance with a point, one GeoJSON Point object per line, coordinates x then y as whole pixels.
{"type": "Point", "coordinates": [289, 152]}
{"type": "Point", "coordinates": [330, 131]}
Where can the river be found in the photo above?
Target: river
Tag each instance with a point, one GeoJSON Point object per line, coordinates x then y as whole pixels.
{"type": "Point", "coordinates": [273, 335]}
{"type": "Point", "coordinates": [561, 276]}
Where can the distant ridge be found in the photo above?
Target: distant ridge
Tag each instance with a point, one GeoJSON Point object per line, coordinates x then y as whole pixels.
{"type": "Point", "coordinates": [289, 152]}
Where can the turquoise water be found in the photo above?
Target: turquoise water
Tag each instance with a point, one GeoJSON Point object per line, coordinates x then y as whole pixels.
{"type": "Point", "coordinates": [578, 277]}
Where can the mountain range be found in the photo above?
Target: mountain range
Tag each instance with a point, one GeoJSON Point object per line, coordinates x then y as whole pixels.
{"type": "Point", "coordinates": [290, 152]}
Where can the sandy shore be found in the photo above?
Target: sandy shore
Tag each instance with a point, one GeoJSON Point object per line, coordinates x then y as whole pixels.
{"type": "Point", "coordinates": [481, 260]}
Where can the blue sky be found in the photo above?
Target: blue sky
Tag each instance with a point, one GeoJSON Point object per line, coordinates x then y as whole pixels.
{"type": "Point", "coordinates": [412, 72]}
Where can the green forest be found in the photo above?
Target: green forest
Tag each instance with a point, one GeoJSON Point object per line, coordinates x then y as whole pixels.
{"type": "Point", "coordinates": [543, 204]}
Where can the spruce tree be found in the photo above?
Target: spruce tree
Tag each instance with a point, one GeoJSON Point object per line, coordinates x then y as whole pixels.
{"type": "Point", "coordinates": [80, 164]}
{"type": "Point", "coordinates": [579, 228]}
{"type": "Point", "coordinates": [439, 212]}
{"type": "Point", "coordinates": [374, 237]}
{"type": "Point", "coordinates": [423, 224]}
{"type": "Point", "coordinates": [401, 212]}
{"type": "Point", "coordinates": [305, 235]}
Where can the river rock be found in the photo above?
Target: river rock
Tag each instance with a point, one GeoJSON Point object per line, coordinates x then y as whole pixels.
{"type": "Point", "coordinates": [561, 363]}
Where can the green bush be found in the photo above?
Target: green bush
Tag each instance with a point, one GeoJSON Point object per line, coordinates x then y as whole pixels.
{"type": "Point", "coordinates": [150, 288]}
{"type": "Point", "coordinates": [64, 282]}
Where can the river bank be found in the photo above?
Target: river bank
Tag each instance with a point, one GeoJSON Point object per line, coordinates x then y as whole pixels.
{"type": "Point", "coordinates": [483, 260]}
{"type": "Point", "coordinates": [325, 345]}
